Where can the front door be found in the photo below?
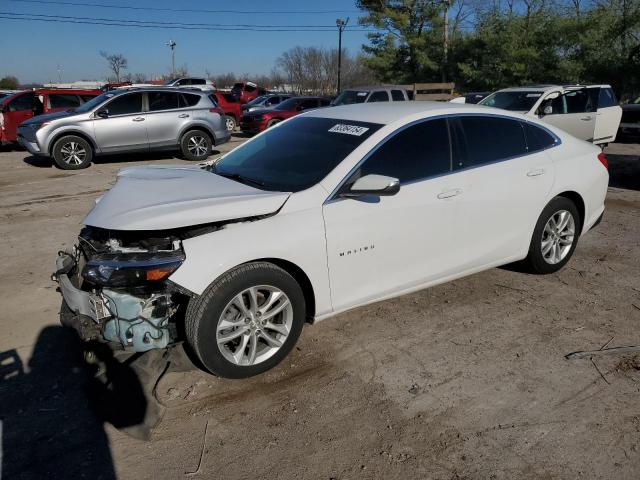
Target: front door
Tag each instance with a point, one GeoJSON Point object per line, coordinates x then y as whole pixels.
{"type": "Point", "coordinates": [17, 111]}
{"type": "Point", "coordinates": [378, 246]}
{"type": "Point", "coordinates": [574, 112]}
{"type": "Point", "coordinates": [123, 127]}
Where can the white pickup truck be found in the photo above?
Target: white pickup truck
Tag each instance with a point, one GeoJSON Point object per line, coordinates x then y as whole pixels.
{"type": "Point", "coordinates": [588, 112]}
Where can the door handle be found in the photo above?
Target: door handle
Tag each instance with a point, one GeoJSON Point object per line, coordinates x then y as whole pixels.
{"type": "Point", "coordinates": [586, 119]}
{"type": "Point", "coordinates": [449, 193]}
{"type": "Point", "coordinates": [138, 119]}
{"type": "Point", "coordinates": [183, 115]}
{"type": "Point", "coordinates": [536, 172]}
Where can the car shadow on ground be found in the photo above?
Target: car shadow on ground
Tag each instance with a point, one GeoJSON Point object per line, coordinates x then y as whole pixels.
{"type": "Point", "coordinates": [624, 171]}
{"type": "Point", "coordinates": [53, 415]}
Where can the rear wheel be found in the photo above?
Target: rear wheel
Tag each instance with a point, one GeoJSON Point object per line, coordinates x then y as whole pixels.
{"type": "Point", "coordinates": [555, 237]}
{"type": "Point", "coordinates": [72, 153]}
{"type": "Point", "coordinates": [247, 321]}
{"type": "Point", "coordinates": [230, 123]}
{"type": "Point", "coordinates": [196, 145]}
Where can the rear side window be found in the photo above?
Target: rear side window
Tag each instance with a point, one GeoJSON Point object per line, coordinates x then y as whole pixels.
{"type": "Point", "coordinates": [229, 98]}
{"type": "Point", "coordinates": [379, 96]}
{"type": "Point", "coordinates": [198, 81]}
{"type": "Point", "coordinates": [325, 102]}
{"type": "Point", "coordinates": [163, 101]}
{"type": "Point", "coordinates": [397, 95]}
{"type": "Point", "coordinates": [537, 138]}
{"type": "Point", "coordinates": [607, 98]}
{"type": "Point", "coordinates": [489, 139]}
{"type": "Point", "coordinates": [415, 153]}
{"type": "Point", "coordinates": [63, 100]}
{"type": "Point", "coordinates": [309, 104]}
{"type": "Point", "coordinates": [578, 102]}
{"type": "Point", "coordinates": [191, 99]}
{"type": "Point", "coordinates": [125, 104]}
{"type": "Point", "coordinates": [86, 98]}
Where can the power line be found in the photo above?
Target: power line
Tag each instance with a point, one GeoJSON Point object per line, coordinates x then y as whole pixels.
{"type": "Point", "coordinates": [72, 20]}
{"type": "Point", "coordinates": [191, 10]}
{"type": "Point", "coordinates": [154, 22]}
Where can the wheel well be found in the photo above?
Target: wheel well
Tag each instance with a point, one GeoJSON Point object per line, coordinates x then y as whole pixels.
{"type": "Point", "coordinates": [199, 128]}
{"type": "Point", "coordinates": [74, 133]}
{"type": "Point", "coordinates": [303, 280]}
{"type": "Point", "coordinates": [578, 202]}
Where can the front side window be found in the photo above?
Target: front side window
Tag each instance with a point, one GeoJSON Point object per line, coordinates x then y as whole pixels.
{"type": "Point", "coordinates": [379, 96]}
{"type": "Point", "coordinates": [295, 155]}
{"type": "Point", "coordinates": [23, 102]}
{"type": "Point", "coordinates": [349, 97]}
{"type": "Point", "coordinates": [417, 152]}
{"type": "Point", "coordinates": [163, 101]}
{"type": "Point", "coordinates": [484, 139]}
{"type": "Point", "coordinates": [125, 104]}
{"type": "Point", "coordinates": [309, 104]}
{"type": "Point", "coordinates": [397, 95]}
{"type": "Point", "coordinates": [63, 100]}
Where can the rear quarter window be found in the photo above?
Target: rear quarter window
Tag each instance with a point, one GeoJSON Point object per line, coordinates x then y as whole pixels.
{"type": "Point", "coordinates": [192, 100]}
{"type": "Point", "coordinates": [537, 138]}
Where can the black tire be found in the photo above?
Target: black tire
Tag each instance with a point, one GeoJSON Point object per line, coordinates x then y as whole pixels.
{"type": "Point", "coordinates": [535, 261]}
{"type": "Point", "coordinates": [204, 312]}
{"type": "Point", "coordinates": [196, 145]}
{"type": "Point", "coordinates": [230, 123]}
{"type": "Point", "coordinates": [273, 122]}
{"type": "Point", "coordinates": [72, 153]}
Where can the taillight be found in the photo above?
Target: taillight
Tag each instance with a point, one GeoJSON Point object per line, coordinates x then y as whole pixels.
{"type": "Point", "coordinates": [603, 160]}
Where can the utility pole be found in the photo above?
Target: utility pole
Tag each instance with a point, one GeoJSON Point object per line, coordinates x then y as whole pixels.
{"type": "Point", "coordinates": [59, 74]}
{"type": "Point", "coordinates": [341, 24]}
{"type": "Point", "coordinates": [172, 45]}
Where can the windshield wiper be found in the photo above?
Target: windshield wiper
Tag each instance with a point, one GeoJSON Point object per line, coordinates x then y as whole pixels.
{"type": "Point", "coordinates": [241, 178]}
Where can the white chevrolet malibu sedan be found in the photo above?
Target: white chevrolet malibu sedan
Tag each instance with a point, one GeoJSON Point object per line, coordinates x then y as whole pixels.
{"type": "Point", "coordinates": [331, 210]}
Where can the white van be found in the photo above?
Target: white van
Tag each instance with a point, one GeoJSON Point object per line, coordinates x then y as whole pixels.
{"type": "Point", "coordinates": [588, 112]}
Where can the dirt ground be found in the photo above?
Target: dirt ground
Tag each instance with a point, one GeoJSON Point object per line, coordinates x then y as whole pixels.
{"type": "Point", "coordinates": [467, 380]}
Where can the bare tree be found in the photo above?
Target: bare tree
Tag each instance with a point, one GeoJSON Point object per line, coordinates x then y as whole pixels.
{"type": "Point", "coordinates": [117, 62]}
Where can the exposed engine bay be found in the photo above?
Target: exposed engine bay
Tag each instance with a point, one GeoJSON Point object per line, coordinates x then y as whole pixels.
{"type": "Point", "coordinates": [121, 290]}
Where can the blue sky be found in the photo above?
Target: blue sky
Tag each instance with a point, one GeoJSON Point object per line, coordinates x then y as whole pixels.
{"type": "Point", "coordinates": [37, 48]}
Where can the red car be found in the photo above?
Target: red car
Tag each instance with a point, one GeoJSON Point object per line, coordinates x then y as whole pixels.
{"type": "Point", "coordinates": [231, 106]}
{"type": "Point", "coordinates": [259, 120]}
{"type": "Point", "coordinates": [21, 106]}
{"type": "Point", "coordinates": [247, 91]}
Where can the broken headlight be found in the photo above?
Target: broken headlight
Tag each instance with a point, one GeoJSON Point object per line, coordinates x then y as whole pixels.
{"type": "Point", "coordinates": [131, 269]}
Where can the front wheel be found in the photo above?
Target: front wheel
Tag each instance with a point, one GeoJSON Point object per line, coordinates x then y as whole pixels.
{"type": "Point", "coordinates": [247, 321]}
{"type": "Point", "coordinates": [555, 237]}
{"type": "Point", "coordinates": [72, 153]}
{"type": "Point", "coordinates": [196, 145]}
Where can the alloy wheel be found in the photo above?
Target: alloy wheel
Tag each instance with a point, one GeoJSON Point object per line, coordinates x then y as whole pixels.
{"type": "Point", "coordinates": [254, 325]}
{"type": "Point", "coordinates": [73, 153]}
{"type": "Point", "coordinates": [558, 237]}
{"type": "Point", "coordinates": [197, 146]}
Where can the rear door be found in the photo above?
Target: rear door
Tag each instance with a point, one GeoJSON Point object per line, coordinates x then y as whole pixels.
{"type": "Point", "coordinates": [124, 127]}
{"type": "Point", "coordinates": [17, 111]}
{"type": "Point", "coordinates": [503, 187]}
{"type": "Point", "coordinates": [574, 112]}
{"type": "Point", "coordinates": [167, 114]}
{"type": "Point", "coordinates": [608, 116]}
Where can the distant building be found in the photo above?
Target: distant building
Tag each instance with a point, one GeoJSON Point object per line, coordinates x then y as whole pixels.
{"type": "Point", "coordinates": [87, 85]}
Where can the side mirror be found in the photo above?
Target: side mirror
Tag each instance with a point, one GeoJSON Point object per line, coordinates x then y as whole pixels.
{"type": "Point", "coordinates": [103, 113]}
{"type": "Point", "coordinates": [372, 184]}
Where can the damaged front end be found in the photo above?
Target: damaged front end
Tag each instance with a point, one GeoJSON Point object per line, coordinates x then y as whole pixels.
{"type": "Point", "coordinates": [115, 287]}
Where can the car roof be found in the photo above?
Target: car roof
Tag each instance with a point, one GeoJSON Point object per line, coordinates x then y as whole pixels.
{"type": "Point", "coordinates": [544, 88]}
{"type": "Point", "coordinates": [377, 87]}
{"type": "Point", "coordinates": [389, 112]}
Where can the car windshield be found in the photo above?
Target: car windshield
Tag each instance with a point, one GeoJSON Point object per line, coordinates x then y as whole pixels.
{"type": "Point", "coordinates": [258, 100]}
{"type": "Point", "coordinates": [520, 101]}
{"type": "Point", "coordinates": [349, 97]}
{"type": "Point", "coordinates": [295, 155]}
{"type": "Point", "coordinates": [288, 104]}
{"type": "Point", "coordinates": [170, 81]}
{"type": "Point", "coordinates": [94, 102]}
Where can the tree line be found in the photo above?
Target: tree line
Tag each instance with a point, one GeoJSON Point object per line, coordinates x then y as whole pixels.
{"type": "Point", "coordinates": [490, 44]}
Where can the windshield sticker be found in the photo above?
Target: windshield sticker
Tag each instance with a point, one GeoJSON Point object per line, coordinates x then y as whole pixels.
{"type": "Point", "coordinates": [533, 95]}
{"type": "Point", "coordinates": [348, 129]}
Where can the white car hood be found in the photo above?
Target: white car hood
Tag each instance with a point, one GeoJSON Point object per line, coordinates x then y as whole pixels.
{"type": "Point", "coordinates": [158, 197]}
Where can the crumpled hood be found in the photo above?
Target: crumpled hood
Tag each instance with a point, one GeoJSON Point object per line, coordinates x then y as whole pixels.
{"type": "Point", "coordinates": [162, 197]}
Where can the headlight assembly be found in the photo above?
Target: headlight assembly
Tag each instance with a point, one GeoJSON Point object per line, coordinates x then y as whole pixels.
{"type": "Point", "coordinates": [131, 269]}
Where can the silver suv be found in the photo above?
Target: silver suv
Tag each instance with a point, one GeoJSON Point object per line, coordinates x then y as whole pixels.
{"type": "Point", "coordinates": [128, 121]}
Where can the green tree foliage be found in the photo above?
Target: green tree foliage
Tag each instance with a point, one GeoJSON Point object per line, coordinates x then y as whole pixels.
{"type": "Point", "coordinates": [9, 83]}
{"type": "Point", "coordinates": [491, 44]}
